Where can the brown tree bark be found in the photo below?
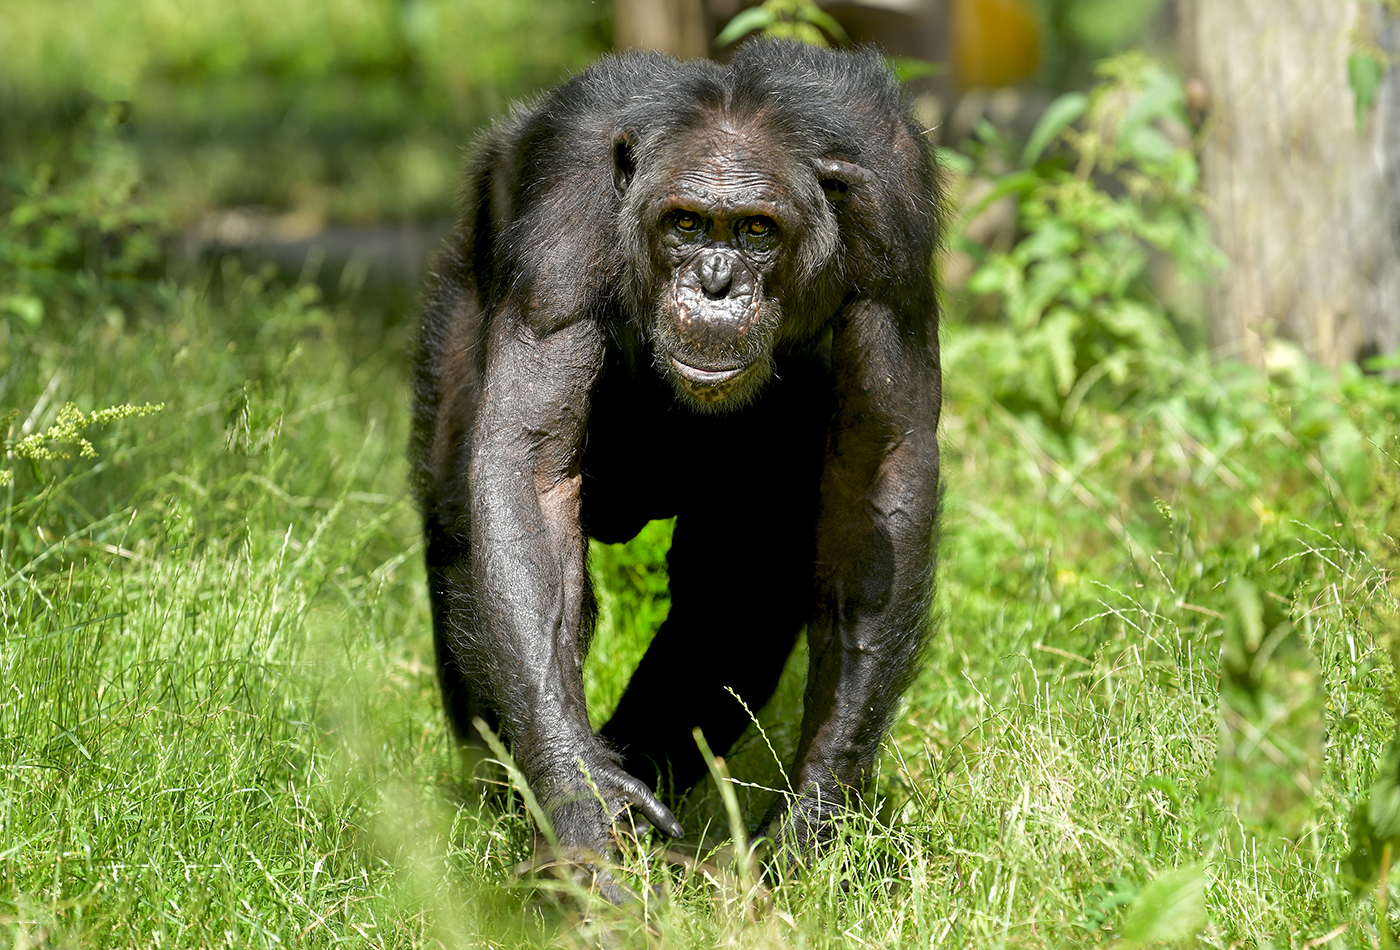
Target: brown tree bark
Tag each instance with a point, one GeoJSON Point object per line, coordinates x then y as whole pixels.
{"type": "Point", "coordinates": [677, 26]}
{"type": "Point", "coordinates": [1305, 205]}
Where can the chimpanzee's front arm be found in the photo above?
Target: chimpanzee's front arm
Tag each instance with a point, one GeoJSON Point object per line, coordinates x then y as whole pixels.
{"type": "Point", "coordinates": [532, 601]}
{"type": "Point", "coordinates": [875, 547]}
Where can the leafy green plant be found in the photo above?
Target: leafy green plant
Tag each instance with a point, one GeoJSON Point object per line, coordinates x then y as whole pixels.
{"type": "Point", "coordinates": [784, 19]}
{"type": "Point", "coordinates": [1101, 193]}
{"type": "Point", "coordinates": [73, 237]}
{"type": "Point", "coordinates": [64, 435]}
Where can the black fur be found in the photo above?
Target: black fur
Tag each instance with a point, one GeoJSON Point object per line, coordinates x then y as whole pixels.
{"type": "Point", "coordinates": [685, 289]}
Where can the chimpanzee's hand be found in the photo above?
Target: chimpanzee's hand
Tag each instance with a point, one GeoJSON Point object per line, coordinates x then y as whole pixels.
{"type": "Point", "coordinates": [584, 819]}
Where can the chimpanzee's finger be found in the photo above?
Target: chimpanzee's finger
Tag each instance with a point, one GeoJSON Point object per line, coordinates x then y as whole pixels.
{"type": "Point", "coordinates": [641, 798]}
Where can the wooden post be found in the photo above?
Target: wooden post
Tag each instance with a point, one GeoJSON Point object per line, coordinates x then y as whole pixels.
{"type": "Point", "coordinates": [1305, 205]}
{"type": "Point", "coordinates": [676, 26]}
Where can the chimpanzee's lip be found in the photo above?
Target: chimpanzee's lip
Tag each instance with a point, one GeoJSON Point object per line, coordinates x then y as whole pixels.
{"type": "Point", "coordinates": [705, 377]}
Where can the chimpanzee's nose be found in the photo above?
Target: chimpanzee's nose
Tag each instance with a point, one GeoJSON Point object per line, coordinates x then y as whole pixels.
{"type": "Point", "coordinates": [716, 274]}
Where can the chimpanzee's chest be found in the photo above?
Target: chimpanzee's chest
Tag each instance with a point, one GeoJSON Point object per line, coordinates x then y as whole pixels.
{"type": "Point", "coordinates": [647, 455]}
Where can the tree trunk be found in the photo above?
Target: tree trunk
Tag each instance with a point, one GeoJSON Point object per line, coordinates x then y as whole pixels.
{"type": "Point", "coordinates": [1305, 205]}
{"type": "Point", "coordinates": [676, 26]}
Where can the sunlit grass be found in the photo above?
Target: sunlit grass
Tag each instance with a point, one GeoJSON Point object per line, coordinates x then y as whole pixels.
{"type": "Point", "coordinates": [220, 723]}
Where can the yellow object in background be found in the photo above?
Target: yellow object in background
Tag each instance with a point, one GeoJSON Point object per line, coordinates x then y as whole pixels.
{"type": "Point", "coordinates": [995, 42]}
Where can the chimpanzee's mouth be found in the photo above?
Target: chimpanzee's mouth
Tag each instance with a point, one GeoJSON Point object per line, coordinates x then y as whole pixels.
{"type": "Point", "coordinates": [713, 388]}
{"type": "Point", "coordinates": [696, 376]}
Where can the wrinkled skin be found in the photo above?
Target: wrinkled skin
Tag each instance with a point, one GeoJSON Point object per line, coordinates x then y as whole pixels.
{"type": "Point", "coordinates": [694, 291]}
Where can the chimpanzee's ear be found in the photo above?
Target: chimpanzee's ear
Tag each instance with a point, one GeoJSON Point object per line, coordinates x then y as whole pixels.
{"type": "Point", "coordinates": [624, 161]}
{"type": "Point", "coordinates": [837, 176]}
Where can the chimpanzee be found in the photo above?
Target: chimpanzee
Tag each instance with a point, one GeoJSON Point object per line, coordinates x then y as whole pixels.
{"type": "Point", "coordinates": [694, 291]}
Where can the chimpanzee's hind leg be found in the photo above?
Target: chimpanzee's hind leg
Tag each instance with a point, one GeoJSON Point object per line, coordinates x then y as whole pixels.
{"type": "Point", "coordinates": [737, 605]}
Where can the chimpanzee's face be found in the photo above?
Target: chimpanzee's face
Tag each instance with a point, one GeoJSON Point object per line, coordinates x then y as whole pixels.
{"type": "Point", "coordinates": [717, 230]}
{"type": "Point", "coordinates": [728, 228]}
{"type": "Point", "coordinates": [723, 232]}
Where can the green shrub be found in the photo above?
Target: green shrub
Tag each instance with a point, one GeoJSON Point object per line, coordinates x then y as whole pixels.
{"type": "Point", "coordinates": [1082, 313]}
{"type": "Point", "coordinates": [75, 238]}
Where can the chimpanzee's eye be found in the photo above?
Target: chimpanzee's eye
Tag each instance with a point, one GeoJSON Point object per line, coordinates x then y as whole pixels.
{"type": "Point", "coordinates": [759, 227]}
{"type": "Point", "coordinates": [685, 221]}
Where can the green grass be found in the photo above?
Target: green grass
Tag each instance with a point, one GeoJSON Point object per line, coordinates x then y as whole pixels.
{"type": "Point", "coordinates": [219, 724]}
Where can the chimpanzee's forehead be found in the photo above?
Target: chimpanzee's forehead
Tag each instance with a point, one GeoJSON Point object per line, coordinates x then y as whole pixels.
{"type": "Point", "coordinates": [745, 152]}
{"type": "Point", "coordinates": [727, 168]}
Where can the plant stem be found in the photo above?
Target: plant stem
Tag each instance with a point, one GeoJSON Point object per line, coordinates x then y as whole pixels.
{"type": "Point", "coordinates": [1382, 893]}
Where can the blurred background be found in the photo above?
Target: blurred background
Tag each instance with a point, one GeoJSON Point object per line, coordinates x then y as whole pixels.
{"type": "Point", "coordinates": [337, 126]}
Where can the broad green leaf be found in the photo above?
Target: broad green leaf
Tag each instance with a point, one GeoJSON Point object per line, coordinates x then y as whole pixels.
{"type": "Point", "coordinates": [1047, 281]}
{"type": "Point", "coordinates": [816, 15]}
{"type": "Point", "coordinates": [1057, 336]}
{"type": "Point", "coordinates": [1018, 183]}
{"type": "Point", "coordinates": [27, 307]}
{"type": "Point", "coordinates": [1348, 459]}
{"type": "Point", "coordinates": [1377, 363]}
{"type": "Point", "coordinates": [1160, 97]}
{"type": "Point", "coordinates": [1383, 808]}
{"type": "Point", "coordinates": [1063, 113]}
{"type": "Point", "coordinates": [1172, 907]}
{"type": "Point", "coordinates": [1118, 366]}
{"type": "Point", "coordinates": [1052, 241]}
{"type": "Point", "coordinates": [1375, 821]}
{"type": "Point", "coordinates": [1244, 622]}
{"type": "Point", "coordinates": [1147, 144]}
{"type": "Point", "coordinates": [1135, 323]}
{"type": "Point", "coordinates": [1364, 72]}
{"type": "Point", "coordinates": [746, 22]}
{"type": "Point", "coordinates": [953, 161]}
{"type": "Point", "coordinates": [907, 69]}
{"type": "Point", "coordinates": [996, 275]}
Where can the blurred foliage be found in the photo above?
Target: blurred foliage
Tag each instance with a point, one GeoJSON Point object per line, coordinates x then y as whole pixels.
{"type": "Point", "coordinates": [1103, 26]}
{"type": "Point", "coordinates": [1078, 33]}
{"type": "Point", "coordinates": [341, 109]}
{"type": "Point", "coordinates": [75, 236]}
{"type": "Point", "coordinates": [119, 50]}
{"type": "Point", "coordinates": [1092, 217]}
{"type": "Point", "coordinates": [784, 19]}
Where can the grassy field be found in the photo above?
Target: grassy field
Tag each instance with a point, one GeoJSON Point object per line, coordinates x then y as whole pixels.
{"type": "Point", "coordinates": [1160, 692]}
{"type": "Point", "coordinates": [1159, 659]}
